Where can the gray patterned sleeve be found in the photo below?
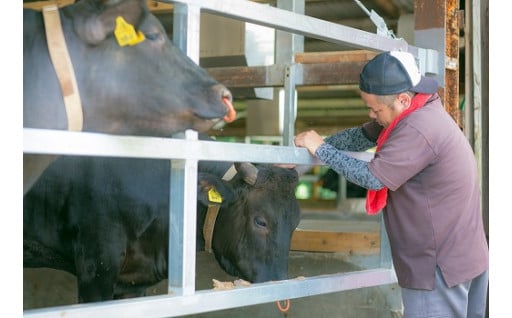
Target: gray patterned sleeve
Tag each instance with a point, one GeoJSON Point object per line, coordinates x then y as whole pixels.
{"type": "Point", "coordinates": [354, 170]}
{"type": "Point", "coordinates": [351, 139]}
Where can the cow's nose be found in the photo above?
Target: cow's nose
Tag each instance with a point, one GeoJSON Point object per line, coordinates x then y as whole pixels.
{"type": "Point", "coordinates": [223, 92]}
{"type": "Point", "coordinates": [227, 98]}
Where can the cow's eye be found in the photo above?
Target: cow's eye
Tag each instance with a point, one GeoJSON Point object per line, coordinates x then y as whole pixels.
{"type": "Point", "coordinates": [153, 36]}
{"type": "Point", "coordinates": [260, 221]}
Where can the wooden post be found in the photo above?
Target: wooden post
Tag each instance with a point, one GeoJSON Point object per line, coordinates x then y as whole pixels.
{"type": "Point", "coordinates": [436, 27]}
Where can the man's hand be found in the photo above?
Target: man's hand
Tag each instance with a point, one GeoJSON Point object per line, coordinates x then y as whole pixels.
{"type": "Point", "coordinates": [310, 140]}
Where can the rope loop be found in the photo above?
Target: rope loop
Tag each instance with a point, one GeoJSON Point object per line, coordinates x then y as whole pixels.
{"type": "Point", "coordinates": [286, 306]}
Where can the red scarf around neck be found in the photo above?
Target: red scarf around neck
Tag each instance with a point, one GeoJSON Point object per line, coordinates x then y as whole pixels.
{"type": "Point", "coordinates": [377, 199]}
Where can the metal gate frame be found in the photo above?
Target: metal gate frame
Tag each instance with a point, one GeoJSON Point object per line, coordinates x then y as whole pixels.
{"type": "Point", "coordinates": [185, 150]}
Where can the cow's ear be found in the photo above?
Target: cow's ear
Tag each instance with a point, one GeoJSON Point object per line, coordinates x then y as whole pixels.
{"type": "Point", "coordinates": [209, 186]}
{"type": "Point", "coordinates": [248, 171]}
{"type": "Point", "coordinates": [95, 20]}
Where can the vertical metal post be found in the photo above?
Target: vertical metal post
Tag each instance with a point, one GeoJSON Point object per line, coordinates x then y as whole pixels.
{"type": "Point", "coordinates": [182, 227]}
{"type": "Point", "coordinates": [477, 104]}
{"type": "Point", "coordinates": [470, 33]}
{"type": "Point", "coordinates": [290, 108]}
{"type": "Point", "coordinates": [385, 249]}
{"type": "Point", "coordinates": [183, 196]}
{"type": "Point", "coordinates": [186, 27]}
{"type": "Point", "coordinates": [342, 192]}
{"type": "Point", "coordinates": [287, 44]}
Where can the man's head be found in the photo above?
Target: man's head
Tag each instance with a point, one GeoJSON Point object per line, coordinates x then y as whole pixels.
{"type": "Point", "coordinates": [392, 73]}
{"type": "Point", "coordinates": [388, 83]}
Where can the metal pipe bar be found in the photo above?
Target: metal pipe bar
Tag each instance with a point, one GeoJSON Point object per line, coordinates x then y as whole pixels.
{"type": "Point", "coordinates": [186, 24]}
{"type": "Point", "coordinates": [182, 209]}
{"type": "Point", "coordinates": [182, 224]}
{"type": "Point", "coordinates": [212, 300]}
{"type": "Point", "coordinates": [300, 24]}
{"type": "Point", "coordinates": [285, 20]}
{"type": "Point", "coordinates": [287, 44]}
{"type": "Point", "coordinates": [47, 141]}
{"type": "Point", "coordinates": [290, 106]}
{"type": "Point", "coordinates": [386, 260]}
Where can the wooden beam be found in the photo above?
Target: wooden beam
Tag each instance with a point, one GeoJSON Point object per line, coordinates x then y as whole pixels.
{"type": "Point", "coordinates": [452, 64]}
{"type": "Point", "coordinates": [246, 76]}
{"type": "Point", "coordinates": [154, 6]}
{"type": "Point", "coordinates": [432, 16]}
{"type": "Point", "coordinates": [318, 68]}
{"type": "Point", "coordinates": [334, 57]}
{"type": "Point", "coordinates": [341, 73]}
{"type": "Point", "coordinates": [159, 7]}
{"type": "Point", "coordinates": [38, 5]}
{"type": "Point", "coordinates": [346, 242]}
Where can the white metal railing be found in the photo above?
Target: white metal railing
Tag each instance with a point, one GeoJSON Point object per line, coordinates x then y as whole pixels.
{"type": "Point", "coordinates": [182, 298]}
{"type": "Point", "coordinates": [208, 300]}
{"type": "Point", "coordinates": [304, 25]}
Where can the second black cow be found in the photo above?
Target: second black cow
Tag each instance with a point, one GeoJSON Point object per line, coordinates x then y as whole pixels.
{"type": "Point", "coordinates": [106, 220]}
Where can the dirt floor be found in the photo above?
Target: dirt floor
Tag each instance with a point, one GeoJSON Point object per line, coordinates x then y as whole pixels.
{"type": "Point", "coordinates": [47, 288]}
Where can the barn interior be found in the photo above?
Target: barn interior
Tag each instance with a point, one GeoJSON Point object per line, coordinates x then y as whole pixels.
{"type": "Point", "coordinates": [335, 235]}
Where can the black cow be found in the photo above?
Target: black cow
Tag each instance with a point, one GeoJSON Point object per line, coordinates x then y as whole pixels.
{"type": "Point", "coordinates": [150, 88]}
{"type": "Point", "coordinates": [105, 220]}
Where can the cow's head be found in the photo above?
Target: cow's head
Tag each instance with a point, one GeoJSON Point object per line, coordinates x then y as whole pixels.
{"type": "Point", "coordinates": [256, 220]}
{"type": "Point", "coordinates": [148, 87]}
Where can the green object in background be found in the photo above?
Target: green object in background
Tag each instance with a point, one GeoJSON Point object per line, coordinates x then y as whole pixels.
{"type": "Point", "coordinates": [327, 194]}
{"type": "Point", "coordinates": [304, 190]}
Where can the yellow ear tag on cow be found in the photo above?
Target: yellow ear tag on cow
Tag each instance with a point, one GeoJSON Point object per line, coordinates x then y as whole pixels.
{"type": "Point", "coordinates": [214, 196]}
{"type": "Point", "coordinates": [125, 33]}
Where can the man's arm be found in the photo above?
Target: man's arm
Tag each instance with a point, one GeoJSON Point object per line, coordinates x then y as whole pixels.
{"type": "Point", "coordinates": [354, 170]}
{"type": "Point", "coordinates": [351, 139]}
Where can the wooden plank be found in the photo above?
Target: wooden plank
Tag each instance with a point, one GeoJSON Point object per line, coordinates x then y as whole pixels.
{"type": "Point", "coordinates": [159, 7]}
{"type": "Point", "coordinates": [452, 64]}
{"type": "Point", "coordinates": [345, 226]}
{"type": "Point", "coordinates": [348, 242]}
{"type": "Point", "coordinates": [335, 57]}
{"type": "Point", "coordinates": [340, 73]}
{"type": "Point", "coordinates": [38, 5]}
{"type": "Point", "coordinates": [154, 6]}
{"type": "Point", "coordinates": [246, 76]}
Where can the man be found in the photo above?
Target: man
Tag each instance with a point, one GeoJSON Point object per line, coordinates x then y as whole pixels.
{"type": "Point", "coordinates": [424, 179]}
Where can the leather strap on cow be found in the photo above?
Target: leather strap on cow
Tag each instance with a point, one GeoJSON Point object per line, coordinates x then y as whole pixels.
{"type": "Point", "coordinates": [209, 224]}
{"type": "Point", "coordinates": [63, 67]}
{"type": "Point", "coordinates": [212, 212]}
{"type": "Point", "coordinates": [229, 174]}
